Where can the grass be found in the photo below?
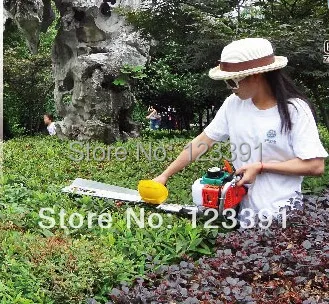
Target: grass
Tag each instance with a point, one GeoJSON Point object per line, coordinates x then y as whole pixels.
{"type": "Point", "coordinates": [66, 265]}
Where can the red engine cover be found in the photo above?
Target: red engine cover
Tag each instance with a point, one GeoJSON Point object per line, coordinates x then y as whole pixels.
{"type": "Point", "coordinates": [211, 195]}
{"type": "Point", "coordinates": [234, 196]}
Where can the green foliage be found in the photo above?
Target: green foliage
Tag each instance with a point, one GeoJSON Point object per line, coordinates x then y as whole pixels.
{"type": "Point", "coordinates": [315, 185]}
{"type": "Point", "coordinates": [67, 265]}
{"type": "Point", "coordinates": [129, 73]}
{"type": "Point", "coordinates": [139, 113]}
{"type": "Point", "coordinates": [28, 82]}
{"type": "Point", "coordinates": [324, 135]}
{"type": "Point", "coordinates": [24, 107]}
{"type": "Point", "coordinates": [290, 26]}
{"type": "Point", "coordinates": [55, 269]}
{"type": "Point", "coordinates": [190, 35]}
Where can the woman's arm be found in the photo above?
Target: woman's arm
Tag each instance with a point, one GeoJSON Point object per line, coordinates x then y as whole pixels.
{"type": "Point", "coordinates": [296, 166]}
{"type": "Point", "coordinates": [198, 146]}
{"type": "Point", "coordinates": [151, 114]}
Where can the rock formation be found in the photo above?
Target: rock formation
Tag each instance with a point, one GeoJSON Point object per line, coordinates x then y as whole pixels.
{"type": "Point", "coordinates": [31, 17]}
{"type": "Point", "coordinates": [92, 44]}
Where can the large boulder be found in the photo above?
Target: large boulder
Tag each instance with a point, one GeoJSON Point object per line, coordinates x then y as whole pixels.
{"type": "Point", "coordinates": [93, 43]}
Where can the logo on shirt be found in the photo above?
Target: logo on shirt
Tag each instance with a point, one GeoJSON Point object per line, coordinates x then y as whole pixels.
{"type": "Point", "coordinates": [271, 134]}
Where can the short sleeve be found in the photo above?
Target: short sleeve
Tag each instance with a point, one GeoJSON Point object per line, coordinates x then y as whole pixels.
{"type": "Point", "coordinates": [218, 127]}
{"type": "Point", "coordinates": [52, 129]}
{"type": "Point", "coordinates": [305, 139]}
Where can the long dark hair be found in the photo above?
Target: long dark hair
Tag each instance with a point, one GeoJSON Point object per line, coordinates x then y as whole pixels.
{"type": "Point", "coordinates": [284, 88]}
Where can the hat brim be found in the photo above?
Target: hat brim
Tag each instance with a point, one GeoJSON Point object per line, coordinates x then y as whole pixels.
{"type": "Point", "coordinates": [217, 74]}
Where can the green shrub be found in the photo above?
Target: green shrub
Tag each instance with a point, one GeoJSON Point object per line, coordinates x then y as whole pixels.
{"type": "Point", "coordinates": [324, 136]}
{"type": "Point", "coordinates": [69, 265]}
{"type": "Point", "coordinates": [28, 82]}
{"type": "Point", "coordinates": [315, 185]}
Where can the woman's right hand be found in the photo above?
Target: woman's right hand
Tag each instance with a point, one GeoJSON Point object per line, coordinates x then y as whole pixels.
{"type": "Point", "coordinates": [162, 179]}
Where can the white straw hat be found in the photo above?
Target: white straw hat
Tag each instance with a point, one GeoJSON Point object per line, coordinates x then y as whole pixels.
{"type": "Point", "coordinates": [245, 57]}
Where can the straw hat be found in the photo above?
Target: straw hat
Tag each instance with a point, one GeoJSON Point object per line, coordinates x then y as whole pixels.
{"type": "Point", "coordinates": [245, 57]}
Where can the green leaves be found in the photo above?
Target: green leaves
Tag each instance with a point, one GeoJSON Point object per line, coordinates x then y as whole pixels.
{"type": "Point", "coordinates": [120, 82]}
{"type": "Point", "coordinates": [84, 262]}
{"type": "Point", "coordinates": [128, 74]}
{"type": "Point", "coordinates": [24, 107]}
{"type": "Point", "coordinates": [87, 262]}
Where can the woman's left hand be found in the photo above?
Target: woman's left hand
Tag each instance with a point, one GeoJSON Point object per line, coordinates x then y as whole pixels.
{"type": "Point", "coordinates": [249, 173]}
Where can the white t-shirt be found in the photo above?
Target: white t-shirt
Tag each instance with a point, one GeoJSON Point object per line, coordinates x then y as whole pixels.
{"type": "Point", "coordinates": [51, 128]}
{"type": "Point", "coordinates": [247, 126]}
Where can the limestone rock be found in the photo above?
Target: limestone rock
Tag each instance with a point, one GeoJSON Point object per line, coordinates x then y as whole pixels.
{"type": "Point", "coordinates": [92, 45]}
{"type": "Point", "coordinates": [31, 17]}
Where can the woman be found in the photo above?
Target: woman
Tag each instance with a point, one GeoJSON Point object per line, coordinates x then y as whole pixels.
{"type": "Point", "coordinates": [154, 118]}
{"type": "Point", "coordinates": [266, 116]}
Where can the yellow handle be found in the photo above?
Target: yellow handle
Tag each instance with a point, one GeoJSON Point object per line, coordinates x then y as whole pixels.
{"type": "Point", "coordinates": [152, 192]}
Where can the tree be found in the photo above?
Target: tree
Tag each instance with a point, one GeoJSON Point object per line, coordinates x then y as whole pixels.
{"type": "Point", "coordinates": [299, 35]}
{"type": "Point", "coordinates": [187, 37]}
{"type": "Point", "coordinates": [28, 82]}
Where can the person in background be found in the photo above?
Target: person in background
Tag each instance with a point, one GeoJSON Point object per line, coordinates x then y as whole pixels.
{"type": "Point", "coordinates": [154, 118]}
{"type": "Point", "coordinates": [49, 122]}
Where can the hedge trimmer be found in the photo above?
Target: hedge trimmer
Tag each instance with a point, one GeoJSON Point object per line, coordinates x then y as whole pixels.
{"type": "Point", "coordinates": [216, 189]}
